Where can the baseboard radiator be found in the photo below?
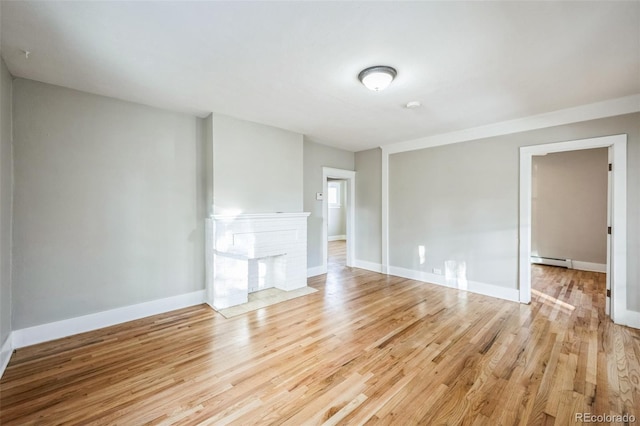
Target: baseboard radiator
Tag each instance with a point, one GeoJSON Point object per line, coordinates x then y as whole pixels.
{"type": "Point", "coordinates": [565, 263]}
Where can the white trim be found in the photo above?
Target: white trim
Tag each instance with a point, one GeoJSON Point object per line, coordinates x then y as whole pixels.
{"type": "Point", "coordinates": [618, 144]}
{"type": "Point", "coordinates": [524, 232]}
{"type": "Point", "coordinates": [385, 211]}
{"type": "Point", "coordinates": [607, 300]}
{"type": "Point", "coordinates": [609, 108]}
{"type": "Point", "coordinates": [571, 264]}
{"type": "Point", "coordinates": [510, 294]}
{"type": "Point", "coordinates": [316, 270]}
{"type": "Point", "coordinates": [369, 266]}
{"type": "Point", "coordinates": [589, 266]}
{"type": "Point", "coordinates": [350, 177]}
{"type": "Point", "coordinates": [565, 263]}
{"type": "Point", "coordinates": [619, 231]}
{"type": "Point", "coordinates": [56, 330]}
{"type": "Point", "coordinates": [5, 353]}
{"type": "Point", "coordinates": [630, 318]}
{"type": "Point", "coordinates": [337, 238]}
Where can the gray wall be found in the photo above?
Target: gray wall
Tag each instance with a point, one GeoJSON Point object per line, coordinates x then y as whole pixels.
{"type": "Point", "coordinates": [108, 204]}
{"type": "Point", "coordinates": [338, 215]}
{"type": "Point", "coordinates": [569, 205]}
{"type": "Point", "coordinates": [6, 201]}
{"type": "Point", "coordinates": [368, 205]}
{"type": "Point", "coordinates": [317, 156]}
{"type": "Point", "coordinates": [461, 202]}
{"type": "Point", "coordinates": [256, 168]}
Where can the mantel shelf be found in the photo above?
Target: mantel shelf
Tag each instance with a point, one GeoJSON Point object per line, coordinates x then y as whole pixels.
{"type": "Point", "coordinates": [254, 216]}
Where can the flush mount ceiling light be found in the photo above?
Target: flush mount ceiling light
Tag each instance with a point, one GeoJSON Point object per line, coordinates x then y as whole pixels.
{"type": "Point", "coordinates": [377, 78]}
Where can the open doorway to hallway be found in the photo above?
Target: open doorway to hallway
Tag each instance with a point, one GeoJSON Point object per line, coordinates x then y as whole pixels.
{"type": "Point", "coordinates": [336, 222]}
{"type": "Point", "coordinates": [338, 211]}
{"type": "Point", "coordinates": [337, 258]}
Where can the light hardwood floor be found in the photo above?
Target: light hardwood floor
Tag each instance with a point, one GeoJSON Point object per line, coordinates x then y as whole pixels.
{"type": "Point", "coordinates": [337, 259]}
{"type": "Point", "coordinates": [366, 348]}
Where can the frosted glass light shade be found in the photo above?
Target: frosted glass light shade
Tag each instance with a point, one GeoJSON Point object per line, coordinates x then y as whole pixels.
{"type": "Point", "coordinates": [377, 78]}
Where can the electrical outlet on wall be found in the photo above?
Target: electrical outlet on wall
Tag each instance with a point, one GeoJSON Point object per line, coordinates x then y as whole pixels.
{"type": "Point", "coordinates": [319, 196]}
{"type": "Point", "coordinates": [437, 271]}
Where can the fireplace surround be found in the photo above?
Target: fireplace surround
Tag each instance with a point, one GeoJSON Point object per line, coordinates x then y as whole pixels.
{"type": "Point", "coordinates": [250, 252]}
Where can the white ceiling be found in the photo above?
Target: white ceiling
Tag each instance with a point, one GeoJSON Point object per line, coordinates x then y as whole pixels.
{"type": "Point", "coordinates": [294, 65]}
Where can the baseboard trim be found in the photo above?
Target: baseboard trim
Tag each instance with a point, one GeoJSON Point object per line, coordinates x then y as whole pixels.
{"type": "Point", "coordinates": [56, 330]}
{"type": "Point", "coordinates": [628, 318]}
{"type": "Point", "coordinates": [316, 270]}
{"type": "Point", "coordinates": [570, 263]}
{"type": "Point", "coordinates": [589, 266]}
{"type": "Point", "coordinates": [337, 238]}
{"type": "Point", "coordinates": [510, 294]}
{"type": "Point", "coordinates": [5, 353]}
{"type": "Point", "coordinates": [564, 263]}
{"type": "Point", "coordinates": [369, 266]}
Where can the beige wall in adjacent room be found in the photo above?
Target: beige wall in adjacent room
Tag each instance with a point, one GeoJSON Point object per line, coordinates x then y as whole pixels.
{"type": "Point", "coordinates": [569, 205]}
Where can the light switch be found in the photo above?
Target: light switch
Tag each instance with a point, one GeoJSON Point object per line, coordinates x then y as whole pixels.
{"type": "Point", "coordinates": [318, 196]}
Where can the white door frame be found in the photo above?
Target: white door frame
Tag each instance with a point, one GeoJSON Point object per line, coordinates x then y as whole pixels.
{"type": "Point", "coordinates": [607, 306]}
{"type": "Point", "coordinates": [618, 267]}
{"type": "Point", "coordinates": [350, 177]}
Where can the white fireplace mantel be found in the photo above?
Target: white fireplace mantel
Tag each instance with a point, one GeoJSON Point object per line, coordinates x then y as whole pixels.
{"type": "Point", "coordinates": [236, 242]}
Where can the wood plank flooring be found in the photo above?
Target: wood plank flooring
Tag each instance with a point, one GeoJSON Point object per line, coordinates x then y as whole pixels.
{"type": "Point", "coordinates": [337, 251]}
{"type": "Point", "coordinates": [365, 349]}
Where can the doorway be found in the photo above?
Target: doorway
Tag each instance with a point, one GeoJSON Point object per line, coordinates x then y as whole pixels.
{"type": "Point", "coordinates": [336, 222]}
{"type": "Point", "coordinates": [339, 189]}
{"type": "Point", "coordinates": [616, 269]}
{"type": "Point", "coordinates": [569, 219]}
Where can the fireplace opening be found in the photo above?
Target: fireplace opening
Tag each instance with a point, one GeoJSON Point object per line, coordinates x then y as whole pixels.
{"type": "Point", "coordinates": [267, 272]}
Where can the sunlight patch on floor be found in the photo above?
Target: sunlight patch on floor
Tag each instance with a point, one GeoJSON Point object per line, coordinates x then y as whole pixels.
{"type": "Point", "coordinates": [549, 300]}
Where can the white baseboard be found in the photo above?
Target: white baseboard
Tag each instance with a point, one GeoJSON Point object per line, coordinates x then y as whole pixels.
{"type": "Point", "coordinates": [565, 263]}
{"type": "Point", "coordinates": [589, 266]}
{"type": "Point", "coordinates": [336, 238]}
{"type": "Point", "coordinates": [316, 270]}
{"type": "Point", "coordinates": [369, 266]}
{"type": "Point", "coordinates": [510, 294]}
{"type": "Point", "coordinates": [56, 330]}
{"type": "Point", "coordinates": [628, 318]}
{"type": "Point", "coordinates": [5, 353]}
{"type": "Point", "coordinates": [571, 264]}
